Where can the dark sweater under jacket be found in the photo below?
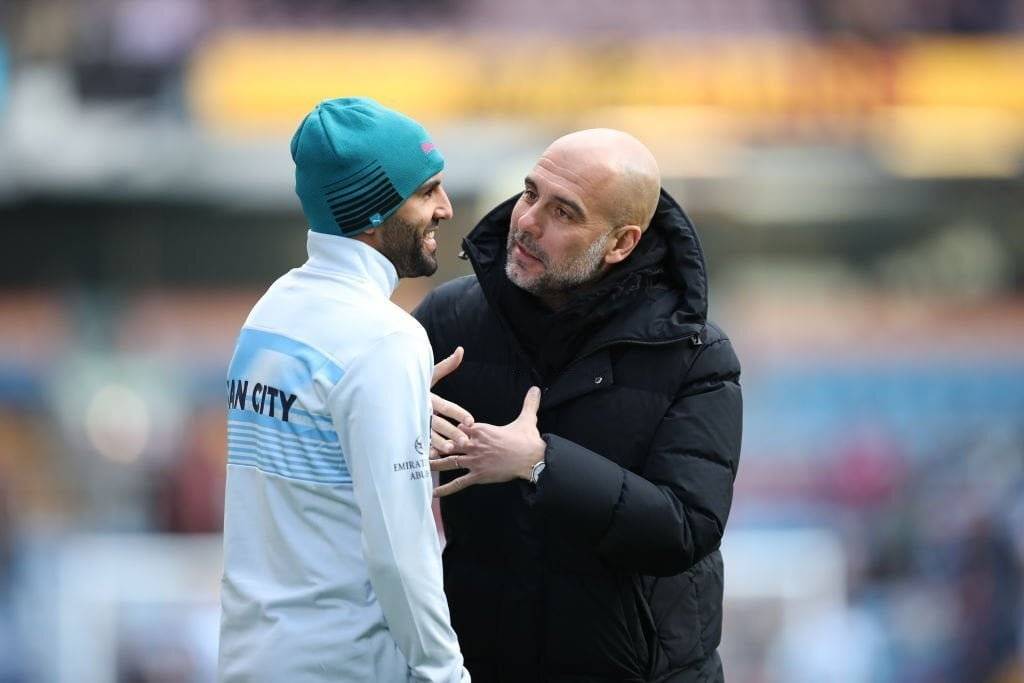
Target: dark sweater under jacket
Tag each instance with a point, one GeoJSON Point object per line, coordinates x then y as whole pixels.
{"type": "Point", "coordinates": [610, 570]}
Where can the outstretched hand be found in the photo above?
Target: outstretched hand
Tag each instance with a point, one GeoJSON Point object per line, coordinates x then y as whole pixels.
{"type": "Point", "coordinates": [496, 454]}
{"type": "Point", "coordinates": [444, 435]}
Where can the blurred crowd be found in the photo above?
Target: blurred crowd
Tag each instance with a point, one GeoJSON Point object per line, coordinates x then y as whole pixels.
{"type": "Point", "coordinates": [139, 35]}
{"type": "Point", "coordinates": [935, 551]}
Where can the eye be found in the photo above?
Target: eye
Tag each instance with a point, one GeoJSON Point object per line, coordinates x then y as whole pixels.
{"type": "Point", "coordinates": [529, 195]}
{"type": "Point", "coordinates": [563, 214]}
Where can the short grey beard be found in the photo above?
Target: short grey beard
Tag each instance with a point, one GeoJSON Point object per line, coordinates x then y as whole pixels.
{"type": "Point", "coordinates": [557, 281]}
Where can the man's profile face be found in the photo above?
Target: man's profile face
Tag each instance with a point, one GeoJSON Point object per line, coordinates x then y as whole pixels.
{"type": "Point", "coordinates": [558, 235]}
{"type": "Point", "coordinates": [407, 238]}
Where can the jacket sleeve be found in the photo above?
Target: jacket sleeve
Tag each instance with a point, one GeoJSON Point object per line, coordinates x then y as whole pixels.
{"type": "Point", "coordinates": [381, 412]}
{"type": "Point", "coordinates": [671, 515]}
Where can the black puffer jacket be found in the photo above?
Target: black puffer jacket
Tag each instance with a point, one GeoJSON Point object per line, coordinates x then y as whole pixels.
{"type": "Point", "coordinates": [610, 571]}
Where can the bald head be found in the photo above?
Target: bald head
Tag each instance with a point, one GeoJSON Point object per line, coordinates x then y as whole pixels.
{"type": "Point", "coordinates": [584, 208]}
{"type": "Point", "coordinates": [623, 168]}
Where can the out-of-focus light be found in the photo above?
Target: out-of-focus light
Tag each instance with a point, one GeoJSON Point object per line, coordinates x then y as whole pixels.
{"type": "Point", "coordinates": [949, 142]}
{"type": "Point", "coordinates": [117, 423]}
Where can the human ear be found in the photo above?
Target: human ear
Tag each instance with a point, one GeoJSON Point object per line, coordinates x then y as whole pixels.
{"type": "Point", "coordinates": [371, 237]}
{"type": "Point", "coordinates": [626, 239]}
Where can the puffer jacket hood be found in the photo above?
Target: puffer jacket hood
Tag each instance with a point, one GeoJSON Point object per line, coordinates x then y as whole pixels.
{"type": "Point", "coordinates": [675, 311]}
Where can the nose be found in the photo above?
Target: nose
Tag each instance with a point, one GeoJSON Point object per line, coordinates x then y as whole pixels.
{"type": "Point", "coordinates": [444, 209]}
{"type": "Point", "coordinates": [527, 221]}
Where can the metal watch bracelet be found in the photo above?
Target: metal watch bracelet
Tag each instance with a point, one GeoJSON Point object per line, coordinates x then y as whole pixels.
{"type": "Point", "coordinates": [535, 472]}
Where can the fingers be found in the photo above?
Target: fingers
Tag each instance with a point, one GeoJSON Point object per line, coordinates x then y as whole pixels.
{"type": "Point", "coordinates": [452, 462]}
{"type": "Point", "coordinates": [474, 432]}
{"type": "Point", "coordinates": [531, 404]}
{"type": "Point", "coordinates": [453, 411]}
{"type": "Point", "coordinates": [481, 434]}
{"type": "Point", "coordinates": [455, 485]}
{"type": "Point", "coordinates": [446, 429]}
{"type": "Point", "coordinates": [446, 366]}
{"type": "Point", "coordinates": [439, 445]}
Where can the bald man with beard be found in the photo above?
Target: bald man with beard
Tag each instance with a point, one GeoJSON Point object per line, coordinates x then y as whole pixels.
{"type": "Point", "coordinates": [585, 501]}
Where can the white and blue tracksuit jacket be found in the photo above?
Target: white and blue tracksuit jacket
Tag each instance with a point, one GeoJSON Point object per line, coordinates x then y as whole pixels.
{"type": "Point", "coordinates": [332, 567]}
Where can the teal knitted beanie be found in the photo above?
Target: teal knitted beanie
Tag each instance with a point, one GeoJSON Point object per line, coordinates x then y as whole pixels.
{"type": "Point", "coordinates": [356, 162]}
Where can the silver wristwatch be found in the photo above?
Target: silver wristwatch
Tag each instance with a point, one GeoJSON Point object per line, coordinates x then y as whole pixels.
{"type": "Point", "coordinates": [535, 472]}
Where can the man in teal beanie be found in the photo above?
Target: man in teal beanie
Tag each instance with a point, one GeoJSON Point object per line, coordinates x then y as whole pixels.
{"type": "Point", "coordinates": [356, 163]}
{"type": "Point", "coordinates": [332, 566]}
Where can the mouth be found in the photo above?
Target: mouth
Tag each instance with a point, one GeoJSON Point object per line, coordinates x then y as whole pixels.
{"type": "Point", "coordinates": [430, 238]}
{"type": "Point", "coordinates": [521, 251]}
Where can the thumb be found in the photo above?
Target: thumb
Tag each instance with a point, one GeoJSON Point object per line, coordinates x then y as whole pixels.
{"type": "Point", "coordinates": [446, 366]}
{"type": "Point", "coordinates": [531, 404]}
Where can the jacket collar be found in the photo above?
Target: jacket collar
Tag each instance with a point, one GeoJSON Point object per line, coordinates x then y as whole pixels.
{"type": "Point", "coordinates": [674, 311]}
{"type": "Point", "coordinates": [351, 258]}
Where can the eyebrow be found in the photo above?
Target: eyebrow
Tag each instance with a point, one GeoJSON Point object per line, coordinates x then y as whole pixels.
{"type": "Point", "coordinates": [426, 187]}
{"type": "Point", "coordinates": [530, 184]}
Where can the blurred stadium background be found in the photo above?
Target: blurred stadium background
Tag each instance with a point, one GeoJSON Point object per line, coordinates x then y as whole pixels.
{"type": "Point", "coordinates": [856, 170]}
